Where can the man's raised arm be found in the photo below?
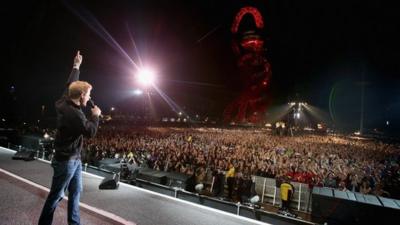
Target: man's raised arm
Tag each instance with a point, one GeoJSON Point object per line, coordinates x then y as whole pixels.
{"type": "Point", "coordinates": [74, 75]}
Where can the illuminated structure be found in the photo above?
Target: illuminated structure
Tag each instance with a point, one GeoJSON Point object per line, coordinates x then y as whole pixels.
{"type": "Point", "coordinates": [254, 68]}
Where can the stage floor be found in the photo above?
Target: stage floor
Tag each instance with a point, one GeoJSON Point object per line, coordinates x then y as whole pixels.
{"type": "Point", "coordinates": [127, 204]}
{"type": "Point", "coordinates": [21, 204]}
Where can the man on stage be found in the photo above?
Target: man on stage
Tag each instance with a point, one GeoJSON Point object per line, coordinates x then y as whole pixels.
{"type": "Point", "coordinates": [72, 125]}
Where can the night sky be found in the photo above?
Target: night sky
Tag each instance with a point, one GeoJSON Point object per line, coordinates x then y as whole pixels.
{"type": "Point", "coordinates": [321, 52]}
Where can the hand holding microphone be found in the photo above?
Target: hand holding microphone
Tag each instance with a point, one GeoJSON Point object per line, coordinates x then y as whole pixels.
{"type": "Point", "coordinates": [95, 110]}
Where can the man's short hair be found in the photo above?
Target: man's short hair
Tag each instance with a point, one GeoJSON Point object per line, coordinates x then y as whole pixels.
{"type": "Point", "coordinates": [76, 88]}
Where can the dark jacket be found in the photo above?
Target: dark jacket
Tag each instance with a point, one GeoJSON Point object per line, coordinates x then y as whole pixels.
{"type": "Point", "coordinates": [72, 125]}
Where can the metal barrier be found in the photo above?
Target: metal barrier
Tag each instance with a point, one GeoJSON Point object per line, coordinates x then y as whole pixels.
{"type": "Point", "coordinates": [270, 193]}
{"type": "Point", "coordinates": [248, 211]}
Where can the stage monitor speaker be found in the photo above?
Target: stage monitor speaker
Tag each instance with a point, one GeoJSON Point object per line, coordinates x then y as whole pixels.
{"type": "Point", "coordinates": [24, 155]}
{"type": "Point", "coordinates": [153, 176]}
{"type": "Point", "coordinates": [181, 181]}
{"type": "Point", "coordinates": [110, 182]}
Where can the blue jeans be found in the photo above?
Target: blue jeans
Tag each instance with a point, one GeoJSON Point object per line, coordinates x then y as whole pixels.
{"type": "Point", "coordinates": [67, 176]}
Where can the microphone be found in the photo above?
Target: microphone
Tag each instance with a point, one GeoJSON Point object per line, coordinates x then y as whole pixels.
{"type": "Point", "coordinates": [91, 104]}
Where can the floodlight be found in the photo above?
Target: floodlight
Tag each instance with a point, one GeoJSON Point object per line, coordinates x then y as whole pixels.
{"type": "Point", "coordinates": [138, 92]}
{"type": "Point", "coordinates": [145, 76]}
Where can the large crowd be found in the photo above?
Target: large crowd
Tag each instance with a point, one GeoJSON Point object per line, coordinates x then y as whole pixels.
{"type": "Point", "coordinates": [366, 166]}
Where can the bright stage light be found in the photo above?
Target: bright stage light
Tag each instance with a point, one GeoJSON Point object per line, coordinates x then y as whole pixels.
{"type": "Point", "coordinates": [137, 92]}
{"type": "Point", "coordinates": [146, 76]}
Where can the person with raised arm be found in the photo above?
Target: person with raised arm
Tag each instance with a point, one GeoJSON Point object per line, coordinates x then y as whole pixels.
{"type": "Point", "coordinates": [72, 127]}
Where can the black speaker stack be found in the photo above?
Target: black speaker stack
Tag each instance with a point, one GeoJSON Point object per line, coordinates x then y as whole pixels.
{"type": "Point", "coordinates": [344, 207]}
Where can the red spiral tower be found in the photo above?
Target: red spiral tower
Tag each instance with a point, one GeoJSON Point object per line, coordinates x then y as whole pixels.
{"type": "Point", "coordinates": [254, 69]}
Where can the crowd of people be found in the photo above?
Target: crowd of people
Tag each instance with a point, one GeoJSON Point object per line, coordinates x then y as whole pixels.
{"type": "Point", "coordinates": [366, 166]}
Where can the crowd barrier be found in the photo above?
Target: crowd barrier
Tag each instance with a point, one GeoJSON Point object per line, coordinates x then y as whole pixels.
{"type": "Point", "coordinates": [234, 208]}
{"type": "Point", "coordinates": [270, 193]}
